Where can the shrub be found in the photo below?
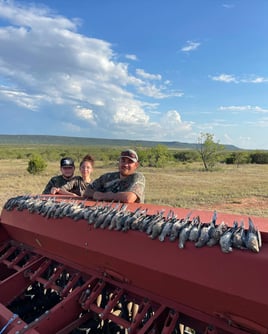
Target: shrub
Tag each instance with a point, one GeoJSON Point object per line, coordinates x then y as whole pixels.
{"type": "Point", "coordinates": [186, 156]}
{"type": "Point", "coordinates": [259, 157]}
{"type": "Point", "coordinates": [36, 165]}
{"type": "Point", "coordinates": [237, 158]}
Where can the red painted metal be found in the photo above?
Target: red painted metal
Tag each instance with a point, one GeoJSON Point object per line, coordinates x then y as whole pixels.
{"type": "Point", "coordinates": [202, 288]}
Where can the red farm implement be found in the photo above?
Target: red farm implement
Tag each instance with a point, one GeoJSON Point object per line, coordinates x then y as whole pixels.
{"type": "Point", "coordinates": [83, 267]}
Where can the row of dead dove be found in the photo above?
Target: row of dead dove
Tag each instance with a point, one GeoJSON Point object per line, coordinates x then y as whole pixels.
{"type": "Point", "coordinates": [116, 217]}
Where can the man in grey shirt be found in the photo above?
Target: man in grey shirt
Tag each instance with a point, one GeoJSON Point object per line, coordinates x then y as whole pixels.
{"type": "Point", "coordinates": [126, 186]}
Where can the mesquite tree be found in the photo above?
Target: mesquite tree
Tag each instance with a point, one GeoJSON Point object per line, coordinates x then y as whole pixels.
{"type": "Point", "coordinates": [209, 150]}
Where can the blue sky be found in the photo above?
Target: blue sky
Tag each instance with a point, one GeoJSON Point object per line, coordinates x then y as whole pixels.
{"type": "Point", "coordinates": [164, 70]}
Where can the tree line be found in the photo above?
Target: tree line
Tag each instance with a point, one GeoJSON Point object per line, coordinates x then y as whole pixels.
{"type": "Point", "coordinates": [207, 151]}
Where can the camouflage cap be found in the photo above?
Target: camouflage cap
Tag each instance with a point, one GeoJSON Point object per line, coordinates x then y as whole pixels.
{"type": "Point", "coordinates": [130, 154]}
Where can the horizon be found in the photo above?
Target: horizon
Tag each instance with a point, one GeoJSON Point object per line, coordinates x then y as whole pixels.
{"type": "Point", "coordinates": [114, 139]}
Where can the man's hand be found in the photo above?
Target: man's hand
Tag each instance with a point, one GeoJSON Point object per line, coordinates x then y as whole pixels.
{"type": "Point", "coordinates": [88, 193]}
{"type": "Point", "coordinates": [54, 190]}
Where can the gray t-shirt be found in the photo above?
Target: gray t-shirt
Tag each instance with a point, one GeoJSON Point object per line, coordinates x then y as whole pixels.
{"type": "Point", "coordinates": [112, 182]}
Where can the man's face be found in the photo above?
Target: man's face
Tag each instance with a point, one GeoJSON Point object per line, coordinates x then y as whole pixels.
{"type": "Point", "coordinates": [67, 171]}
{"type": "Point", "coordinates": [127, 166]}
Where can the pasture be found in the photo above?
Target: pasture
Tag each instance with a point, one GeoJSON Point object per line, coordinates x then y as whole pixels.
{"type": "Point", "coordinates": [229, 188]}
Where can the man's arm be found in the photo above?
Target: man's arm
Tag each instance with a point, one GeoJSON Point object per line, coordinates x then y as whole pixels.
{"type": "Point", "coordinates": [123, 197]}
{"type": "Point", "coordinates": [62, 191]}
{"type": "Point", "coordinates": [69, 188]}
{"type": "Point", "coordinates": [89, 192]}
{"type": "Point", "coordinates": [48, 187]}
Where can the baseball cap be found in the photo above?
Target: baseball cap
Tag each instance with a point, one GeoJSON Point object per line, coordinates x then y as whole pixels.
{"type": "Point", "coordinates": [67, 162]}
{"type": "Point", "coordinates": [130, 154]}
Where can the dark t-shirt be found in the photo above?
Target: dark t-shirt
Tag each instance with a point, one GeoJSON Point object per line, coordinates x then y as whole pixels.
{"type": "Point", "coordinates": [57, 182]}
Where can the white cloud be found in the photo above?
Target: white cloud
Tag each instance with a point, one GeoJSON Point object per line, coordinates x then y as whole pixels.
{"type": "Point", "coordinates": [131, 57]}
{"type": "Point", "coordinates": [228, 6]}
{"type": "Point", "coordinates": [172, 124]}
{"type": "Point", "coordinates": [255, 80]}
{"type": "Point", "coordinates": [70, 127]}
{"type": "Point", "coordinates": [224, 78]}
{"type": "Point", "coordinates": [85, 114]}
{"type": "Point", "coordinates": [261, 123]}
{"type": "Point", "coordinates": [48, 65]}
{"type": "Point", "coordinates": [231, 78]}
{"type": "Point", "coordinates": [21, 99]}
{"type": "Point", "coordinates": [190, 46]}
{"type": "Point", "coordinates": [244, 108]}
{"type": "Point", "coordinates": [140, 72]}
{"type": "Point", "coordinates": [228, 139]}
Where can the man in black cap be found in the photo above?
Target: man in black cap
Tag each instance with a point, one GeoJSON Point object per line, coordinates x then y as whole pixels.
{"type": "Point", "coordinates": [67, 168]}
{"type": "Point", "coordinates": [126, 186]}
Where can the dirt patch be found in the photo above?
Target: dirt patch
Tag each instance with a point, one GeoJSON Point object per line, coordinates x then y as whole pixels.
{"type": "Point", "coordinates": [251, 205]}
{"type": "Point", "coordinates": [247, 203]}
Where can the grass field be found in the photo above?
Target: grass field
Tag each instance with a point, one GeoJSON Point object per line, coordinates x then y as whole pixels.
{"type": "Point", "coordinates": [241, 190]}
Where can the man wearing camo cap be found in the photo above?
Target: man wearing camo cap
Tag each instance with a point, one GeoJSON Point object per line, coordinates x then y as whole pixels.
{"type": "Point", "coordinates": [126, 186]}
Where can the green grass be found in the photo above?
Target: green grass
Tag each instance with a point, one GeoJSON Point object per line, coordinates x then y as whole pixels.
{"type": "Point", "coordinates": [241, 190]}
